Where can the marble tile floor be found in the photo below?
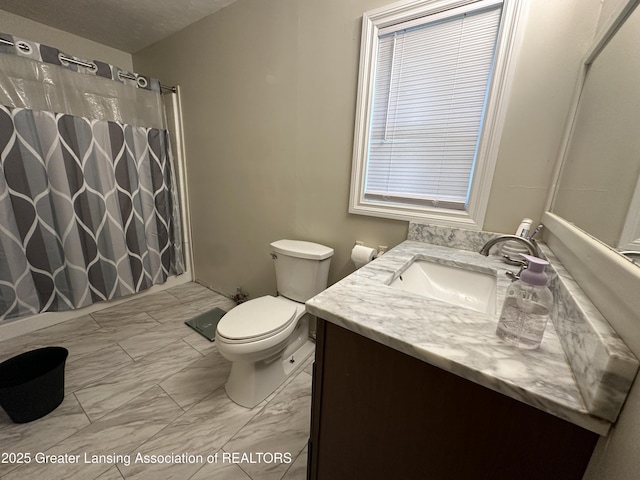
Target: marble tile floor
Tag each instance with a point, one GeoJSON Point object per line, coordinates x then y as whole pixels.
{"type": "Point", "coordinates": [144, 398]}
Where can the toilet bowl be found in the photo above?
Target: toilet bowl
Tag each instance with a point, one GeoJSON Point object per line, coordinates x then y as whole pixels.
{"type": "Point", "coordinates": [262, 360]}
{"type": "Point", "coordinates": [267, 338]}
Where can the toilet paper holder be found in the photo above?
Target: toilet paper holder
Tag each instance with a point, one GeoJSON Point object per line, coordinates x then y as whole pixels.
{"type": "Point", "coordinates": [361, 254]}
{"type": "Point", "coordinates": [381, 248]}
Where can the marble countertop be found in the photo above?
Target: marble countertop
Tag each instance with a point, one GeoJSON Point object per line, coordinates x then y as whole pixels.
{"type": "Point", "coordinates": [453, 338]}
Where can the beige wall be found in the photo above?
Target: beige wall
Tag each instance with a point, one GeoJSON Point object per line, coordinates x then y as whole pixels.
{"type": "Point", "coordinates": [268, 114]}
{"type": "Point", "coordinates": [269, 100]}
{"type": "Point", "coordinates": [67, 42]}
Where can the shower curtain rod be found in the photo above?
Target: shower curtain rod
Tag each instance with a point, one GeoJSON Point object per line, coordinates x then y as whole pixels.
{"type": "Point", "coordinates": [91, 66]}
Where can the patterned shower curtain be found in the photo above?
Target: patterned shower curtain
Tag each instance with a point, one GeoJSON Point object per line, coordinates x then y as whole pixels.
{"type": "Point", "coordinates": [88, 211]}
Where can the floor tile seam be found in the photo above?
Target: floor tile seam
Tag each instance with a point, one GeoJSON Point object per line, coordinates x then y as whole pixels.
{"type": "Point", "coordinates": [108, 325]}
{"type": "Point", "coordinates": [196, 472]}
{"type": "Point", "coordinates": [83, 411]}
{"type": "Point", "coordinates": [175, 341]}
{"type": "Point", "coordinates": [48, 448]}
{"type": "Point", "coordinates": [196, 335]}
{"type": "Point", "coordinates": [119, 472]}
{"type": "Point", "coordinates": [124, 405]}
{"type": "Point", "coordinates": [158, 324]}
{"type": "Point", "coordinates": [162, 309]}
{"type": "Point", "coordinates": [200, 310]}
{"type": "Point", "coordinates": [30, 343]}
{"type": "Point", "coordinates": [203, 466]}
{"type": "Point", "coordinates": [185, 332]}
{"type": "Point", "coordinates": [140, 364]}
{"type": "Point", "coordinates": [201, 353]}
{"type": "Point", "coordinates": [172, 294]}
{"type": "Point", "coordinates": [82, 356]}
{"type": "Point", "coordinates": [12, 468]}
{"type": "Point", "coordinates": [106, 310]}
{"type": "Point", "coordinates": [194, 348]}
{"type": "Point", "coordinates": [125, 351]}
{"type": "Point", "coordinates": [286, 382]}
{"type": "Point", "coordinates": [136, 447]}
{"type": "Point", "coordinates": [185, 412]}
{"type": "Point", "coordinates": [146, 354]}
{"type": "Point", "coordinates": [94, 381]}
{"type": "Point", "coordinates": [176, 402]}
{"type": "Point", "coordinates": [164, 301]}
{"type": "Point", "coordinates": [235, 434]}
{"type": "Point", "coordinates": [166, 321]}
{"type": "Point", "coordinates": [149, 361]}
{"type": "Point", "coordinates": [160, 432]}
{"type": "Point", "coordinates": [207, 293]}
{"type": "Point", "coordinates": [295, 459]}
{"type": "Point", "coordinates": [220, 300]}
{"type": "Point", "coordinates": [238, 465]}
{"type": "Point", "coordinates": [71, 434]}
{"type": "Point", "coordinates": [41, 334]}
{"type": "Point", "coordinates": [180, 372]}
{"type": "Point", "coordinates": [157, 383]}
{"type": "Point", "coordinates": [182, 369]}
{"type": "Point", "coordinates": [180, 296]}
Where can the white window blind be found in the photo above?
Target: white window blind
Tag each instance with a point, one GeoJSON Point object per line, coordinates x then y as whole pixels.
{"type": "Point", "coordinates": [430, 90]}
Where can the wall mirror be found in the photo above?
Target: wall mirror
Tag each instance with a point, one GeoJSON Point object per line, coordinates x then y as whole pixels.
{"type": "Point", "coordinates": [598, 179]}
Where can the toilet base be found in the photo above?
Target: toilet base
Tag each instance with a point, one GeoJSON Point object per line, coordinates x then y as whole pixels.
{"type": "Point", "coordinates": [250, 383]}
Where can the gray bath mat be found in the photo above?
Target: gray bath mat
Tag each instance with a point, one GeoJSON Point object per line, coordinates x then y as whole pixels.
{"type": "Point", "coordinates": [206, 323]}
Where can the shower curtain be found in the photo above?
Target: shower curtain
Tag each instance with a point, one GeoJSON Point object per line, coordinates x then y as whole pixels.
{"type": "Point", "coordinates": [88, 201]}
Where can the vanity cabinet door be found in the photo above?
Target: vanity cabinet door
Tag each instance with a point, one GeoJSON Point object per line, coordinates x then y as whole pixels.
{"type": "Point", "coordinates": [380, 414]}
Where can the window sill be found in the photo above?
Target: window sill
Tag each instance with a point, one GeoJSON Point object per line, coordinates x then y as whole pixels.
{"type": "Point", "coordinates": [430, 215]}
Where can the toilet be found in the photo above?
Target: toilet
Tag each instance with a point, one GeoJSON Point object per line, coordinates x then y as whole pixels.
{"type": "Point", "coordinates": [267, 338]}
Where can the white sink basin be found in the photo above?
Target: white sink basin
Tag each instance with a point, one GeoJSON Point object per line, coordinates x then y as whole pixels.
{"type": "Point", "coordinates": [449, 283]}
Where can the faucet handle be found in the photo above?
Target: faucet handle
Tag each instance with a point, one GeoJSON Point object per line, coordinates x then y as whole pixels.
{"type": "Point", "coordinates": [514, 261]}
{"type": "Point", "coordinates": [512, 275]}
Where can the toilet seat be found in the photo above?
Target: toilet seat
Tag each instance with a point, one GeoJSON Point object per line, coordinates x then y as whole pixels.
{"type": "Point", "coordinates": [256, 319]}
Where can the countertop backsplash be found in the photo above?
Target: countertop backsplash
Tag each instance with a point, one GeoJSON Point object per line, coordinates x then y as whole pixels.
{"type": "Point", "coordinates": [603, 366]}
{"type": "Point", "coordinates": [451, 237]}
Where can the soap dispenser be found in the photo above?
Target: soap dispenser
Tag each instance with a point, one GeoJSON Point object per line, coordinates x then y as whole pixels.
{"type": "Point", "coordinates": [526, 307]}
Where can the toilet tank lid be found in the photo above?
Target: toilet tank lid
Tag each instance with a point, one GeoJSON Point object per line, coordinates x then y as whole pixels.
{"type": "Point", "coordinates": [301, 249]}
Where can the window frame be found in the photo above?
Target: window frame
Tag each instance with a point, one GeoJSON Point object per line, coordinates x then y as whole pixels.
{"type": "Point", "coordinates": [507, 45]}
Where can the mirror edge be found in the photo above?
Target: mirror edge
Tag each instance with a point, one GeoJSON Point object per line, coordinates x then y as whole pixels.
{"type": "Point", "coordinates": [611, 281]}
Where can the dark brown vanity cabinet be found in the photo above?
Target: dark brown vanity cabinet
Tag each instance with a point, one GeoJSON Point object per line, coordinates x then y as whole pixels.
{"type": "Point", "coordinates": [381, 414]}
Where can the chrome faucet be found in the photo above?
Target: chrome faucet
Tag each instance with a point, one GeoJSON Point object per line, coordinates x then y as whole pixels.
{"type": "Point", "coordinates": [530, 244]}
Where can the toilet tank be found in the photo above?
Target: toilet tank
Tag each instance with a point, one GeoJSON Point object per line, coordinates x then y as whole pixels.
{"type": "Point", "coordinates": [302, 268]}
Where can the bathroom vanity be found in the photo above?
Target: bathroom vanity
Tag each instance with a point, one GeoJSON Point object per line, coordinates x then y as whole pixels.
{"type": "Point", "coordinates": [408, 386]}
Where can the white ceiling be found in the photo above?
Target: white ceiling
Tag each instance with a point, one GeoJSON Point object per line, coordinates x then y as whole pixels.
{"type": "Point", "coordinates": [128, 25]}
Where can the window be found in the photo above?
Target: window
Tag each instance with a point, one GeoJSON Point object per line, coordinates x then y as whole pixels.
{"type": "Point", "coordinates": [432, 78]}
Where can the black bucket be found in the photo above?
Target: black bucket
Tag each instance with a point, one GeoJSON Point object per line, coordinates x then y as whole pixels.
{"type": "Point", "coordinates": [32, 383]}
